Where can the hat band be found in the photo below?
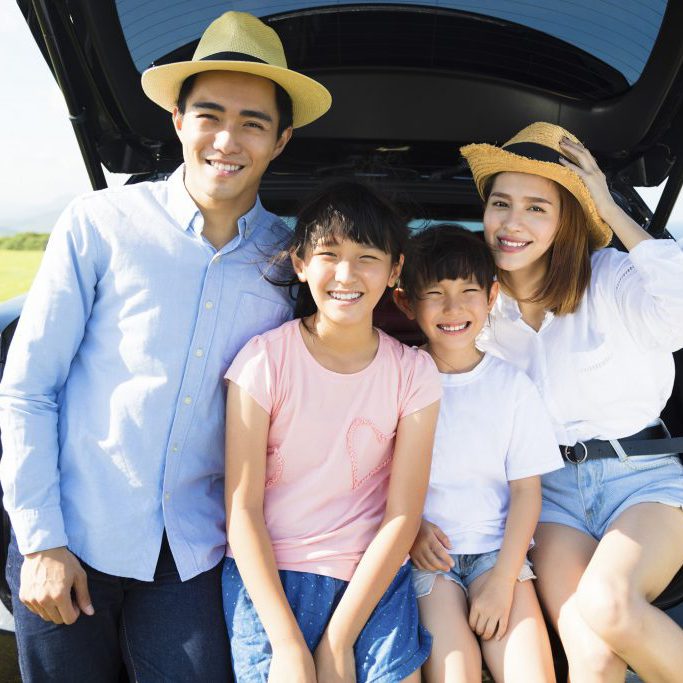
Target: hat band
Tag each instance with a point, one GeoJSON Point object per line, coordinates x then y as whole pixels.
{"type": "Point", "coordinates": [232, 57]}
{"type": "Point", "coordinates": [532, 150]}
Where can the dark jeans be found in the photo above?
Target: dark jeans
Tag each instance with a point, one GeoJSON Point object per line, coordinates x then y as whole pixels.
{"type": "Point", "coordinates": [162, 630]}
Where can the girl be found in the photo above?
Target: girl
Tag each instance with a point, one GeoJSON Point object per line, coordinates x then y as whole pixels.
{"type": "Point", "coordinates": [329, 433]}
{"type": "Point", "coordinates": [493, 441]}
{"type": "Point", "coordinates": [594, 328]}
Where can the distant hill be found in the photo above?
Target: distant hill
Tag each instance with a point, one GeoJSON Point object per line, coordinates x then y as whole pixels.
{"type": "Point", "coordinates": [41, 221]}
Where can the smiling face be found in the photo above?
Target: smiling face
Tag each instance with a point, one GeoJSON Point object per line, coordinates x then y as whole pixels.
{"type": "Point", "coordinates": [346, 279]}
{"type": "Point", "coordinates": [229, 136]}
{"type": "Point", "coordinates": [521, 218]}
{"type": "Point", "coordinates": [451, 313]}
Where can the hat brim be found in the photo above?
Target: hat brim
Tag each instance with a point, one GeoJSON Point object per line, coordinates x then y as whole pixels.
{"type": "Point", "coordinates": [487, 160]}
{"type": "Point", "coordinates": [310, 99]}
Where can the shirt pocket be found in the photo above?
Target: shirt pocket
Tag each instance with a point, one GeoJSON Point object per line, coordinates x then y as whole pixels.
{"type": "Point", "coordinates": [254, 314]}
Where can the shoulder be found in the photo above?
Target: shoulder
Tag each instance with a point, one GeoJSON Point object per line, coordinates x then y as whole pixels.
{"type": "Point", "coordinates": [407, 357]}
{"type": "Point", "coordinates": [508, 380]}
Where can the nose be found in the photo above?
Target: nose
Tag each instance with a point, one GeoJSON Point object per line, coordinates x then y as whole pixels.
{"type": "Point", "coordinates": [451, 303]}
{"type": "Point", "coordinates": [344, 272]}
{"type": "Point", "coordinates": [513, 218]}
{"type": "Point", "coordinates": [226, 142]}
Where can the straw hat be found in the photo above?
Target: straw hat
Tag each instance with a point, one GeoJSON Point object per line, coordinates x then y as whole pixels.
{"type": "Point", "coordinates": [535, 149]}
{"type": "Point", "coordinates": [238, 41]}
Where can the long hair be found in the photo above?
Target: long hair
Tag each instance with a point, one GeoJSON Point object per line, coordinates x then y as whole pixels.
{"type": "Point", "coordinates": [568, 259]}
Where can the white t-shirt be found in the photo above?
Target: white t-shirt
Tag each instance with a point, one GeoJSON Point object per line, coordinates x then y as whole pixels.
{"type": "Point", "coordinates": [492, 428]}
{"type": "Point", "coordinates": [605, 371]}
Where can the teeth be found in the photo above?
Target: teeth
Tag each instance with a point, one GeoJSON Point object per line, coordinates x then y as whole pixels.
{"type": "Point", "coordinates": [452, 328]}
{"type": "Point", "coordinates": [510, 243]}
{"type": "Point", "coordinates": [225, 167]}
{"type": "Point", "coordinates": [345, 296]}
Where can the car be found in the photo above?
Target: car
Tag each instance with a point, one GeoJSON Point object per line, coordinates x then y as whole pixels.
{"type": "Point", "coordinates": [411, 82]}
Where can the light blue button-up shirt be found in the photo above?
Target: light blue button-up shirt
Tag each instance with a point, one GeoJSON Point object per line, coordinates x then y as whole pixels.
{"type": "Point", "coordinates": [112, 404]}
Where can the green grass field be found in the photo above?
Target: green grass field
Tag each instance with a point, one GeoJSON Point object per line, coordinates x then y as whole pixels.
{"type": "Point", "coordinates": [17, 269]}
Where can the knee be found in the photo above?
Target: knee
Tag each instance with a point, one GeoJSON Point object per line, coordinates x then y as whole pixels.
{"type": "Point", "coordinates": [611, 608]}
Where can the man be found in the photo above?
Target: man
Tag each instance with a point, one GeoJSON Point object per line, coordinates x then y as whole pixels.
{"type": "Point", "coordinates": [112, 400]}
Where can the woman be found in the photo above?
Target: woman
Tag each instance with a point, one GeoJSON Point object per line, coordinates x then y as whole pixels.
{"type": "Point", "coordinates": [595, 329]}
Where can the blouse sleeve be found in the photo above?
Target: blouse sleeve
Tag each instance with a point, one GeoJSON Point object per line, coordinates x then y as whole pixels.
{"type": "Point", "coordinates": [423, 384]}
{"type": "Point", "coordinates": [253, 371]}
{"type": "Point", "coordinates": [646, 286]}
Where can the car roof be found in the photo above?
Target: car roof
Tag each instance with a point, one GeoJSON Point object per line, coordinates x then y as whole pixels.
{"type": "Point", "coordinates": [410, 84]}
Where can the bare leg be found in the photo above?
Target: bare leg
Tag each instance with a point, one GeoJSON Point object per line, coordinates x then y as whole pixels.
{"type": "Point", "coordinates": [455, 656]}
{"type": "Point", "coordinates": [560, 559]}
{"type": "Point", "coordinates": [634, 562]}
{"type": "Point", "coordinates": [523, 655]}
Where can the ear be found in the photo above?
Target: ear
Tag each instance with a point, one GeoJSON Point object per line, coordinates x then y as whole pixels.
{"type": "Point", "coordinates": [403, 303]}
{"type": "Point", "coordinates": [299, 266]}
{"type": "Point", "coordinates": [177, 120]}
{"type": "Point", "coordinates": [493, 295]}
{"type": "Point", "coordinates": [284, 138]}
{"type": "Point", "coordinates": [395, 271]}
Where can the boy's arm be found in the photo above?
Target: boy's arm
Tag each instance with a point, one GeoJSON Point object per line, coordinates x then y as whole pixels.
{"type": "Point", "coordinates": [490, 608]}
{"type": "Point", "coordinates": [387, 551]}
{"type": "Point", "coordinates": [247, 425]}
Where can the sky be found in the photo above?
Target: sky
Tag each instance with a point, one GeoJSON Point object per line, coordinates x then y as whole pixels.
{"type": "Point", "coordinates": [41, 167]}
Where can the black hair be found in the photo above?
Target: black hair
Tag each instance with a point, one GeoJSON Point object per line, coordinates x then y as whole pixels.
{"type": "Point", "coordinates": [344, 210]}
{"type": "Point", "coordinates": [446, 252]}
{"type": "Point", "coordinates": [283, 102]}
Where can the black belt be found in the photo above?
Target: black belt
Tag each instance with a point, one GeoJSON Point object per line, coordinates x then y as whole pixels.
{"type": "Point", "coordinates": [649, 441]}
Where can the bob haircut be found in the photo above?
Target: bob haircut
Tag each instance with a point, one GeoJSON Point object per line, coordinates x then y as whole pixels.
{"type": "Point", "coordinates": [568, 259]}
{"type": "Point", "coordinates": [446, 252]}
{"type": "Point", "coordinates": [344, 210]}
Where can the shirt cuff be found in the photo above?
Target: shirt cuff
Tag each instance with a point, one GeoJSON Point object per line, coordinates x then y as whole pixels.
{"type": "Point", "coordinates": [38, 529]}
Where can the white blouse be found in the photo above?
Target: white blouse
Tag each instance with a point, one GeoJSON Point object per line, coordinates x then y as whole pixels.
{"type": "Point", "coordinates": [605, 371]}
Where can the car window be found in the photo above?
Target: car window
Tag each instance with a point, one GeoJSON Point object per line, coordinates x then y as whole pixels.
{"type": "Point", "coordinates": [619, 34]}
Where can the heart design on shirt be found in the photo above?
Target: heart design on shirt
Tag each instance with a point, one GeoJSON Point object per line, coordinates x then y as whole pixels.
{"type": "Point", "coordinates": [359, 475]}
{"type": "Point", "coordinates": [278, 464]}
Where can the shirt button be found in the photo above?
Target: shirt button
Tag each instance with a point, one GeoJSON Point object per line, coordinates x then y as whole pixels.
{"type": "Point", "coordinates": [208, 304]}
{"type": "Point", "coordinates": [174, 447]}
{"type": "Point", "coordinates": [199, 353]}
{"type": "Point", "coordinates": [187, 400]}
{"type": "Point", "coordinates": [167, 496]}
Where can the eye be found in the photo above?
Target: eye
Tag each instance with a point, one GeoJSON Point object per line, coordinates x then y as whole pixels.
{"type": "Point", "coordinates": [536, 209]}
{"type": "Point", "coordinates": [471, 290]}
{"type": "Point", "coordinates": [499, 203]}
{"type": "Point", "coordinates": [369, 257]}
{"type": "Point", "coordinates": [255, 124]}
{"type": "Point", "coordinates": [211, 117]}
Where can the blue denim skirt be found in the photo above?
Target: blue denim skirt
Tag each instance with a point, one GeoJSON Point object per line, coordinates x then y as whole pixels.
{"type": "Point", "coordinates": [590, 496]}
{"type": "Point", "coordinates": [390, 647]}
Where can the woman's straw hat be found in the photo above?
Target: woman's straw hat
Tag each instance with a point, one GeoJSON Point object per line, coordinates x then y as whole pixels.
{"type": "Point", "coordinates": [535, 149]}
{"type": "Point", "coordinates": [238, 41]}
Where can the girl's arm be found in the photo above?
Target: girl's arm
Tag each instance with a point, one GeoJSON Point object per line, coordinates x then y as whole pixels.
{"type": "Point", "coordinates": [247, 426]}
{"type": "Point", "coordinates": [490, 606]}
{"type": "Point", "coordinates": [389, 548]}
{"type": "Point", "coordinates": [625, 228]}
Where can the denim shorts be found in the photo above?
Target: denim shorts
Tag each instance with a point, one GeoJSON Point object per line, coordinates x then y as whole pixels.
{"type": "Point", "coordinates": [465, 570]}
{"type": "Point", "coordinates": [390, 647]}
{"type": "Point", "coordinates": [590, 496]}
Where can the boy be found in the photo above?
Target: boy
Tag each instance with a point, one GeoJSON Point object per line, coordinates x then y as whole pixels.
{"type": "Point", "coordinates": [493, 441]}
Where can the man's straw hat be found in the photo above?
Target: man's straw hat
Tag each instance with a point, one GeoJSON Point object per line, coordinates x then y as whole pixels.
{"type": "Point", "coordinates": [535, 149]}
{"type": "Point", "coordinates": [238, 41]}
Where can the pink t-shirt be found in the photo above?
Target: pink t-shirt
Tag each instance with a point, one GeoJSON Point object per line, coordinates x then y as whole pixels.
{"type": "Point", "coordinates": [330, 443]}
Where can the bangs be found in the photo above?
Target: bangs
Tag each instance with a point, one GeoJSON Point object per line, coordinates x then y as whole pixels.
{"type": "Point", "coordinates": [446, 252]}
{"type": "Point", "coordinates": [351, 211]}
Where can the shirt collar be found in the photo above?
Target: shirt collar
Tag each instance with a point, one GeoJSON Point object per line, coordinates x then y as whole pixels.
{"type": "Point", "coordinates": [188, 216]}
{"type": "Point", "coordinates": [507, 307]}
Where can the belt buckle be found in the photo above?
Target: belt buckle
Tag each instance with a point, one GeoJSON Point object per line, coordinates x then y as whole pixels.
{"type": "Point", "coordinates": [569, 450]}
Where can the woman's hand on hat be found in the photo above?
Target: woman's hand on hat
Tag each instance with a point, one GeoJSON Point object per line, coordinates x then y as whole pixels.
{"type": "Point", "coordinates": [587, 169]}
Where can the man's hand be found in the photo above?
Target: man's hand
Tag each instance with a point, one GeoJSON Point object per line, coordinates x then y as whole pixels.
{"type": "Point", "coordinates": [490, 606]}
{"type": "Point", "coordinates": [334, 664]}
{"type": "Point", "coordinates": [48, 578]}
{"type": "Point", "coordinates": [292, 663]}
{"type": "Point", "coordinates": [430, 548]}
